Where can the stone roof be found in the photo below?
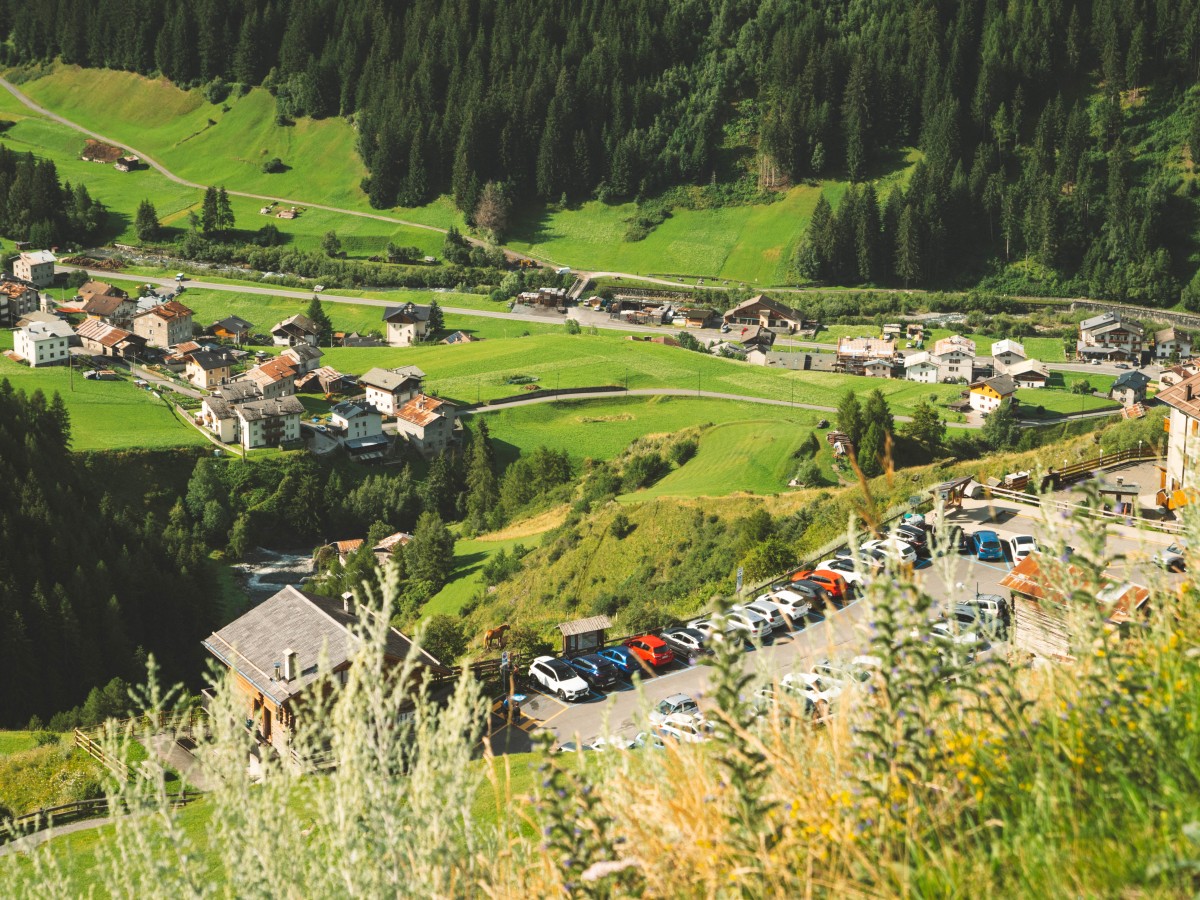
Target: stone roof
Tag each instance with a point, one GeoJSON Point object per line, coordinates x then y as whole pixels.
{"type": "Point", "coordinates": [390, 379]}
{"type": "Point", "coordinates": [1001, 384]}
{"type": "Point", "coordinates": [210, 359]}
{"type": "Point", "coordinates": [303, 352]}
{"type": "Point", "coordinates": [348, 410]}
{"type": "Point", "coordinates": [257, 410]}
{"type": "Point", "coordinates": [305, 624]}
{"type": "Point", "coordinates": [297, 324]}
{"type": "Point", "coordinates": [238, 391]}
{"type": "Point", "coordinates": [1007, 346]}
{"type": "Point", "coordinates": [1135, 380]}
{"type": "Point", "coordinates": [407, 313]}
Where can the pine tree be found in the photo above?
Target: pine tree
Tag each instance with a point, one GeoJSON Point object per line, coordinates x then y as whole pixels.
{"type": "Point", "coordinates": [331, 243]}
{"type": "Point", "coordinates": [210, 214]}
{"type": "Point", "coordinates": [225, 220]}
{"type": "Point", "coordinates": [436, 323]}
{"type": "Point", "coordinates": [850, 417]}
{"type": "Point", "coordinates": [871, 451]}
{"type": "Point", "coordinates": [908, 247]}
{"type": "Point", "coordinates": [320, 318]}
{"type": "Point", "coordinates": [146, 223]}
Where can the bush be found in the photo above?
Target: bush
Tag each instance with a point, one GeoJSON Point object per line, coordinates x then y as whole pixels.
{"type": "Point", "coordinates": [620, 526]}
{"type": "Point", "coordinates": [644, 470]}
{"type": "Point", "coordinates": [273, 166]}
{"type": "Point", "coordinates": [216, 91]}
{"type": "Point", "coordinates": [682, 451]}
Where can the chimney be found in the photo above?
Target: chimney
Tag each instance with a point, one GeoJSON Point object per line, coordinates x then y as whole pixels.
{"type": "Point", "coordinates": [1187, 391]}
{"type": "Point", "coordinates": [348, 602]}
{"type": "Point", "coordinates": [291, 665]}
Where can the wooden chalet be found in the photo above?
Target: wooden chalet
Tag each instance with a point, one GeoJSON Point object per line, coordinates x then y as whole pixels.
{"type": "Point", "coordinates": [273, 651]}
{"type": "Point", "coordinates": [1046, 617]}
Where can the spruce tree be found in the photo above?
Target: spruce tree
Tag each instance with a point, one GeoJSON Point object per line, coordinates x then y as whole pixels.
{"type": "Point", "coordinates": [320, 318]}
{"type": "Point", "coordinates": [210, 214]}
{"type": "Point", "coordinates": [146, 222]}
{"type": "Point", "coordinates": [437, 322]}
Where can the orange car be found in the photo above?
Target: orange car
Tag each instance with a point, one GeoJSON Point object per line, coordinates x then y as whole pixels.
{"type": "Point", "coordinates": [651, 650]}
{"type": "Point", "coordinates": [833, 583]}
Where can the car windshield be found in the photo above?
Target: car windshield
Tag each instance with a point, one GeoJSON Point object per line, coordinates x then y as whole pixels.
{"type": "Point", "coordinates": [560, 668]}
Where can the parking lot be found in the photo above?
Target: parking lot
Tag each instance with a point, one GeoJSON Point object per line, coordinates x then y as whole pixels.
{"type": "Point", "coordinates": [836, 632]}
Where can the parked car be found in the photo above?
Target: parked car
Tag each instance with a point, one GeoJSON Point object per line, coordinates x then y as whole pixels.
{"type": "Point", "coordinates": [644, 739]}
{"type": "Point", "coordinates": [859, 669]}
{"type": "Point", "coordinates": [751, 624]}
{"type": "Point", "coordinates": [623, 658]}
{"type": "Point", "coordinates": [1122, 365]}
{"type": "Point", "coordinates": [831, 582]}
{"type": "Point", "coordinates": [684, 729]}
{"type": "Point", "coordinates": [675, 705]}
{"type": "Point", "coordinates": [597, 671]}
{"type": "Point", "coordinates": [955, 638]}
{"type": "Point", "coordinates": [794, 603]}
{"type": "Point", "coordinates": [913, 535]}
{"type": "Point", "coordinates": [993, 605]}
{"type": "Point", "coordinates": [558, 678]}
{"type": "Point", "coordinates": [972, 617]}
{"type": "Point", "coordinates": [1020, 546]}
{"type": "Point", "coordinates": [1170, 558]}
{"type": "Point", "coordinates": [651, 650]}
{"type": "Point", "coordinates": [894, 548]}
{"type": "Point", "coordinates": [572, 747]}
{"type": "Point", "coordinates": [768, 609]}
{"type": "Point", "coordinates": [686, 642]}
{"type": "Point", "coordinates": [850, 573]}
{"type": "Point", "coordinates": [812, 687]}
{"type": "Point", "coordinates": [863, 558]}
{"type": "Point", "coordinates": [987, 546]}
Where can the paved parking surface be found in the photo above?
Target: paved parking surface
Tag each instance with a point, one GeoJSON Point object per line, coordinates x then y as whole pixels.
{"type": "Point", "coordinates": [838, 633]}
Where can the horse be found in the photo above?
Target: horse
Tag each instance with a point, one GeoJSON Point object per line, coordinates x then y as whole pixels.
{"type": "Point", "coordinates": [495, 636]}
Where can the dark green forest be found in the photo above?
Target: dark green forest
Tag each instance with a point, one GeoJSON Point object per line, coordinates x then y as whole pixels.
{"type": "Point", "coordinates": [36, 207]}
{"type": "Point", "coordinates": [91, 582]}
{"type": "Point", "coordinates": [1052, 130]}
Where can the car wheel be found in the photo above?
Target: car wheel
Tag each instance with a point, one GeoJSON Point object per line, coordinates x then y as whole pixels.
{"type": "Point", "coordinates": [562, 695]}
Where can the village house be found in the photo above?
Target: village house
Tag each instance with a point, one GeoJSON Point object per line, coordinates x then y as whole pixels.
{"type": "Point", "coordinates": [274, 649]}
{"type": "Point", "coordinates": [428, 423]}
{"type": "Point", "coordinates": [232, 328]}
{"type": "Point", "coordinates": [304, 358]}
{"type": "Point", "coordinates": [1129, 389]}
{"type": "Point", "coordinates": [764, 312]}
{"type": "Point", "coordinates": [356, 420]}
{"type": "Point", "coordinates": [386, 547]}
{"type": "Point", "coordinates": [1178, 373]}
{"type": "Point", "coordinates": [127, 163]}
{"type": "Point", "coordinates": [1006, 354]}
{"type": "Point", "coordinates": [854, 353]}
{"type": "Point", "coordinates": [955, 358]}
{"type": "Point", "coordinates": [1047, 609]}
{"type": "Point", "coordinates": [37, 268]}
{"type": "Point", "coordinates": [986, 396]}
{"type": "Point", "coordinates": [274, 378]}
{"type": "Point", "coordinates": [389, 389]}
{"type": "Point", "coordinates": [101, 300]}
{"type": "Point", "coordinates": [325, 380]}
{"type": "Point", "coordinates": [295, 330]}
{"type": "Point", "coordinates": [1028, 373]}
{"type": "Point", "coordinates": [101, 339]}
{"type": "Point", "coordinates": [217, 410]}
{"type": "Point", "coordinates": [406, 325]}
{"type": "Point", "coordinates": [458, 337]}
{"type": "Point", "coordinates": [1107, 336]}
{"type": "Point", "coordinates": [206, 369]}
{"type": "Point", "coordinates": [268, 422]}
{"type": "Point", "coordinates": [1171, 343]}
{"type": "Point", "coordinates": [919, 367]}
{"type": "Point", "coordinates": [43, 343]}
{"type": "Point", "coordinates": [696, 316]}
{"type": "Point", "coordinates": [1183, 436]}
{"type": "Point", "coordinates": [165, 324]}
{"type": "Point", "coordinates": [878, 368]}
{"type": "Point", "coordinates": [17, 299]}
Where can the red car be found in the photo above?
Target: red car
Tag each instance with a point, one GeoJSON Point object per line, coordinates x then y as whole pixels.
{"type": "Point", "coordinates": [831, 581]}
{"type": "Point", "coordinates": [651, 650]}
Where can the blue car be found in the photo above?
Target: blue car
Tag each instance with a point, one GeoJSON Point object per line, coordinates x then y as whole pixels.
{"type": "Point", "coordinates": [987, 546]}
{"type": "Point", "coordinates": [622, 658]}
{"type": "Point", "coordinates": [599, 673]}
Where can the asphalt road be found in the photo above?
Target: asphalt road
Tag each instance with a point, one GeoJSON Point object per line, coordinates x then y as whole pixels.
{"type": "Point", "coordinates": [837, 634]}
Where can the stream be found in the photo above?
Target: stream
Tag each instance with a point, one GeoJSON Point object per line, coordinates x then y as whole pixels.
{"type": "Point", "coordinates": [264, 572]}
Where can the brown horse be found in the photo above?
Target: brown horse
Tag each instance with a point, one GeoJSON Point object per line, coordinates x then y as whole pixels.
{"type": "Point", "coordinates": [495, 636]}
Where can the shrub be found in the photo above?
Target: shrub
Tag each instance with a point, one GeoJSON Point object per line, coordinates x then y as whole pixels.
{"type": "Point", "coordinates": [273, 166]}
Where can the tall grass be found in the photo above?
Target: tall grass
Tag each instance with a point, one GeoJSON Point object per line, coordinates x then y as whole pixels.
{"type": "Point", "coordinates": [936, 777]}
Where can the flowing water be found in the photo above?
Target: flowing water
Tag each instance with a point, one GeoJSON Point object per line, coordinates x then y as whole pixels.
{"type": "Point", "coordinates": [264, 572]}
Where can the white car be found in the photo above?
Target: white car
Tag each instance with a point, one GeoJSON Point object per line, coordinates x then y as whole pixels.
{"type": "Point", "coordinates": [750, 623]}
{"type": "Point", "coordinates": [675, 705]}
{"type": "Point", "coordinates": [1170, 558]}
{"type": "Point", "coordinates": [1021, 545]}
{"type": "Point", "coordinates": [792, 605]}
{"type": "Point", "coordinates": [812, 687]}
{"type": "Point", "coordinates": [957, 638]}
{"type": "Point", "coordinates": [894, 548]}
{"type": "Point", "coordinates": [859, 669]}
{"type": "Point", "coordinates": [766, 608]}
{"type": "Point", "coordinates": [684, 728]}
{"type": "Point", "coordinates": [558, 678]}
{"type": "Point", "coordinates": [851, 575]}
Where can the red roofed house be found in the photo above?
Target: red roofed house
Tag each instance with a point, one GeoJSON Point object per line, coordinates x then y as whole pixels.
{"type": "Point", "coordinates": [101, 339]}
{"type": "Point", "coordinates": [427, 422]}
{"type": "Point", "coordinates": [164, 325]}
{"type": "Point", "coordinates": [16, 300]}
{"type": "Point", "coordinates": [1043, 613]}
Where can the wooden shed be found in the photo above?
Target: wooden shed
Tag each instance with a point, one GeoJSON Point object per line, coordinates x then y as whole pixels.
{"type": "Point", "coordinates": [583, 635]}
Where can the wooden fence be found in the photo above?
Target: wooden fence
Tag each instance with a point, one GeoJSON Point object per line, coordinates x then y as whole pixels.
{"type": "Point", "coordinates": [90, 739]}
{"type": "Point", "coordinates": [1096, 463]}
{"type": "Point", "coordinates": [40, 819]}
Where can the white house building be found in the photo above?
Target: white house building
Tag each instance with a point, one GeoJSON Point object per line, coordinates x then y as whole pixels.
{"type": "Point", "coordinates": [1171, 343]}
{"type": "Point", "coordinates": [427, 423]}
{"type": "Point", "coordinates": [1183, 438]}
{"type": "Point", "coordinates": [1028, 373]}
{"type": "Point", "coordinates": [356, 420]}
{"type": "Point", "coordinates": [297, 329]}
{"type": "Point", "coordinates": [43, 343]}
{"type": "Point", "coordinates": [878, 368]}
{"type": "Point", "coordinates": [919, 367]}
{"type": "Point", "coordinates": [955, 358]}
{"type": "Point", "coordinates": [389, 389]}
{"type": "Point", "coordinates": [17, 299]}
{"type": "Point", "coordinates": [1107, 336]}
{"type": "Point", "coordinates": [406, 325]}
{"type": "Point", "coordinates": [37, 268]}
{"type": "Point", "coordinates": [1006, 354]}
{"type": "Point", "coordinates": [986, 396]}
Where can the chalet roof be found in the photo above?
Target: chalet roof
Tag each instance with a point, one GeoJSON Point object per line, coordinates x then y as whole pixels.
{"type": "Point", "coordinates": [865, 347]}
{"type": "Point", "coordinates": [234, 325]}
{"type": "Point", "coordinates": [956, 343]}
{"type": "Point", "coordinates": [103, 304]}
{"type": "Point", "coordinates": [1109, 321]}
{"type": "Point", "coordinates": [1004, 385]}
{"type": "Point", "coordinates": [1184, 396]}
{"type": "Point", "coordinates": [1007, 346]}
{"type": "Point", "coordinates": [583, 626]}
{"type": "Point", "coordinates": [1135, 380]}
{"type": "Point", "coordinates": [45, 330]}
{"type": "Point", "coordinates": [344, 547]}
{"type": "Point", "coordinates": [407, 313]}
{"type": "Point", "coordinates": [1027, 366]}
{"type": "Point", "coordinates": [1167, 335]}
{"type": "Point", "coordinates": [15, 289]}
{"type": "Point", "coordinates": [349, 410]}
{"type": "Point", "coordinates": [238, 391]}
{"type": "Point", "coordinates": [257, 410]}
{"type": "Point", "coordinates": [210, 359]}
{"type": "Point", "coordinates": [39, 257]}
{"type": "Point", "coordinates": [326, 377]}
{"type": "Point", "coordinates": [221, 408]}
{"type": "Point", "coordinates": [100, 287]}
{"type": "Point", "coordinates": [422, 410]}
{"type": "Point", "coordinates": [918, 359]}
{"type": "Point", "coordinates": [1119, 599]}
{"type": "Point", "coordinates": [762, 300]}
{"type": "Point", "coordinates": [392, 541]}
{"type": "Point", "coordinates": [305, 624]}
{"type": "Point", "coordinates": [104, 334]}
{"type": "Point", "coordinates": [272, 371]}
{"type": "Point", "coordinates": [297, 324]}
{"type": "Point", "coordinates": [303, 352]}
{"type": "Point", "coordinates": [168, 310]}
{"type": "Point", "coordinates": [390, 379]}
